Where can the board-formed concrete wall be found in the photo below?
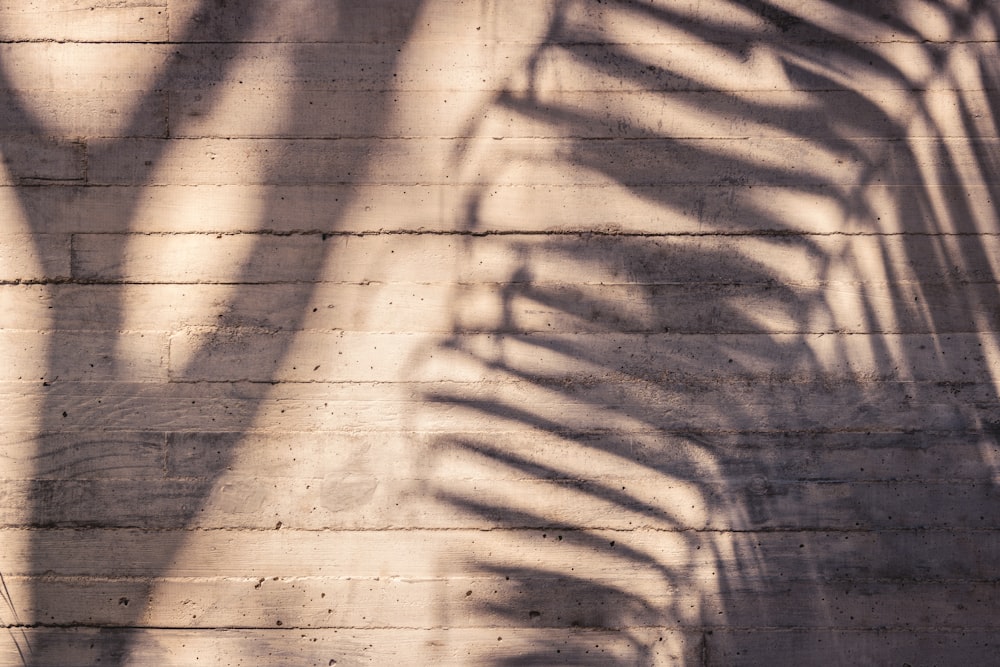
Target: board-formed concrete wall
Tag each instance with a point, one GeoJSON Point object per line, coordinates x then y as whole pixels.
{"type": "Point", "coordinates": [499, 332]}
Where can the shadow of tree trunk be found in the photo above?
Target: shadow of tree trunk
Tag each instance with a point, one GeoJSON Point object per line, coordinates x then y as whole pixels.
{"type": "Point", "coordinates": [94, 436]}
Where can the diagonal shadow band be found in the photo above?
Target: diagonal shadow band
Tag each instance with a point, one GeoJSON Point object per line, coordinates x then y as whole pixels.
{"type": "Point", "coordinates": [119, 501]}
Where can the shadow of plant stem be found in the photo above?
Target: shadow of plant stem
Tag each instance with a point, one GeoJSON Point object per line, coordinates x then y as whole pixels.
{"type": "Point", "coordinates": [100, 505]}
{"type": "Point", "coordinates": [752, 444]}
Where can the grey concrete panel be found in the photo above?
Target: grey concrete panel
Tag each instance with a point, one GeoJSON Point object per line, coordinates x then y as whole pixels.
{"type": "Point", "coordinates": [498, 332]}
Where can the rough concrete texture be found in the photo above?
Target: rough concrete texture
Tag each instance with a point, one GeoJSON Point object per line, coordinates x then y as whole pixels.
{"type": "Point", "coordinates": [499, 332]}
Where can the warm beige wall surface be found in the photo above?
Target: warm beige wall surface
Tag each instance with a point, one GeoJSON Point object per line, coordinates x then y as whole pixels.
{"type": "Point", "coordinates": [499, 332]}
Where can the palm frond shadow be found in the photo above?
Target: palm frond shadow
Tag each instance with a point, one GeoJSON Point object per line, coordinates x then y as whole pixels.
{"type": "Point", "coordinates": [753, 440]}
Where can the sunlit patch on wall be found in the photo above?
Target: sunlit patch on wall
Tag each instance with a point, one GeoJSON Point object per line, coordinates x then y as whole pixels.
{"type": "Point", "coordinates": [205, 209]}
{"type": "Point", "coordinates": [72, 89]}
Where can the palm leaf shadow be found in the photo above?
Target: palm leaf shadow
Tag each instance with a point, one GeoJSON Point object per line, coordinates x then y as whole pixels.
{"type": "Point", "coordinates": [748, 469]}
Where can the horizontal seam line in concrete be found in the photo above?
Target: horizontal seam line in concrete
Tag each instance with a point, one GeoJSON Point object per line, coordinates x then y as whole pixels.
{"type": "Point", "coordinates": [576, 629]}
{"type": "Point", "coordinates": [536, 137]}
{"type": "Point", "coordinates": [498, 42]}
{"type": "Point", "coordinates": [771, 284]}
{"type": "Point", "coordinates": [307, 85]}
{"type": "Point", "coordinates": [381, 185]}
{"type": "Point", "coordinates": [70, 526]}
{"type": "Point", "coordinates": [902, 138]}
{"type": "Point", "coordinates": [763, 232]}
{"type": "Point", "coordinates": [513, 529]}
{"type": "Point", "coordinates": [314, 85]}
{"type": "Point", "coordinates": [124, 282]}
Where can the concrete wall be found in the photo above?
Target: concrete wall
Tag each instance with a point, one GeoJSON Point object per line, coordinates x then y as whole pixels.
{"type": "Point", "coordinates": [499, 332]}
